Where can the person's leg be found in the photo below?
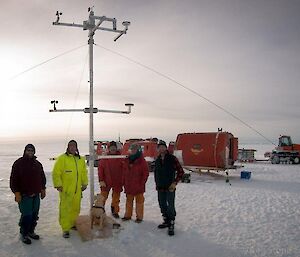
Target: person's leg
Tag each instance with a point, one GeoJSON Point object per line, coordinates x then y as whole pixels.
{"type": "Point", "coordinates": [162, 200]}
{"type": "Point", "coordinates": [115, 207]}
{"type": "Point", "coordinates": [76, 206]}
{"type": "Point", "coordinates": [171, 212]}
{"type": "Point", "coordinates": [25, 207]}
{"type": "Point", "coordinates": [105, 195]}
{"type": "Point", "coordinates": [69, 210]}
{"type": "Point", "coordinates": [139, 207]}
{"type": "Point", "coordinates": [129, 206]}
{"type": "Point", "coordinates": [65, 210]}
{"type": "Point", "coordinates": [35, 217]}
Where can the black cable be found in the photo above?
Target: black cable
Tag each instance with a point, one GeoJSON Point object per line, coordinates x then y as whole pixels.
{"type": "Point", "coordinates": [189, 89]}
{"type": "Point", "coordinates": [37, 65]}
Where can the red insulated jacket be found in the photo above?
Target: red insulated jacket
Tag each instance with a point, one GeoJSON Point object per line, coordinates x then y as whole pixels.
{"type": "Point", "coordinates": [110, 171]}
{"type": "Point", "coordinates": [135, 175]}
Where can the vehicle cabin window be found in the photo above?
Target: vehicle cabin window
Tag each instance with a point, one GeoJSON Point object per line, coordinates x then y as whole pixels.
{"type": "Point", "coordinates": [285, 141]}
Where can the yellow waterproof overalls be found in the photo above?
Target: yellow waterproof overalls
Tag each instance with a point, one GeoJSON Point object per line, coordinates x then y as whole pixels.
{"type": "Point", "coordinates": [70, 173]}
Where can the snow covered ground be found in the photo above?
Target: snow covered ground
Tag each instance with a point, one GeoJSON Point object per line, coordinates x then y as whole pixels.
{"type": "Point", "coordinates": [259, 217]}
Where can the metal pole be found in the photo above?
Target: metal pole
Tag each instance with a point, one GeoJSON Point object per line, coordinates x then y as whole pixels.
{"type": "Point", "coordinates": [91, 143]}
{"type": "Point", "coordinates": [92, 27]}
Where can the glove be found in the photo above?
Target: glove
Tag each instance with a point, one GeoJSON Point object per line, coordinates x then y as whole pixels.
{"type": "Point", "coordinates": [18, 197]}
{"type": "Point", "coordinates": [102, 184]}
{"type": "Point", "coordinates": [59, 189]}
{"type": "Point", "coordinates": [43, 193]}
{"type": "Point", "coordinates": [172, 187]}
{"type": "Point", "coordinates": [83, 187]}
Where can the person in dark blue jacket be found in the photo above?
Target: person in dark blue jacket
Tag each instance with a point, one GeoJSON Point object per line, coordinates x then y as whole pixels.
{"type": "Point", "coordinates": [168, 172]}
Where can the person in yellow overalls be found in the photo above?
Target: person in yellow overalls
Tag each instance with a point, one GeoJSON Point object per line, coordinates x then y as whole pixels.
{"type": "Point", "coordinates": [70, 179]}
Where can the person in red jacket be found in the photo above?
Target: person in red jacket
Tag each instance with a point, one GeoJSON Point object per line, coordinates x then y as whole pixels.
{"type": "Point", "coordinates": [135, 175]}
{"type": "Point", "coordinates": [110, 177]}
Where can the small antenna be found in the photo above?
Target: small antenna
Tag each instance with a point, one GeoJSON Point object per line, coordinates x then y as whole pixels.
{"type": "Point", "coordinates": [58, 16]}
{"type": "Point", "coordinates": [54, 102]}
{"type": "Point", "coordinates": [91, 8]}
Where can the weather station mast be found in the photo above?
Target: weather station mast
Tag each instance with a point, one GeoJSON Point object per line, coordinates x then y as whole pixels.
{"type": "Point", "coordinates": [92, 25]}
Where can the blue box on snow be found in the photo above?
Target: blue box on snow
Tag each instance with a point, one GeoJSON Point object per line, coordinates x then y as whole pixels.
{"type": "Point", "coordinates": [245, 174]}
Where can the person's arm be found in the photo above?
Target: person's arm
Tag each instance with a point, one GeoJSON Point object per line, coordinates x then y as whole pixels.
{"type": "Point", "coordinates": [124, 169]}
{"type": "Point", "coordinates": [15, 183]}
{"type": "Point", "coordinates": [44, 181]}
{"type": "Point", "coordinates": [101, 174]}
{"type": "Point", "coordinates": [57, 173]}
{"type": "Point", "coordinates": [145, 172]}
{"type": "Point", "coordinates": [179, 174]}
{"type": "Point", "coordinates": [179, 170]}
{"type": "Point", "coordinates": [84, 176]}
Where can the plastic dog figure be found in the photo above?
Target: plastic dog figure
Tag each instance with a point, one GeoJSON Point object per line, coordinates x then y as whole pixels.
{"type": "Point", "coordinates": [98, 212]}
{"type": "Point", "coordinates": [98, 215]}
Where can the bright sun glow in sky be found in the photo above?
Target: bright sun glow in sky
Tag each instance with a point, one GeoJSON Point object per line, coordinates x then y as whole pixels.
{"type": "Point", "coordinates": [239, 54]}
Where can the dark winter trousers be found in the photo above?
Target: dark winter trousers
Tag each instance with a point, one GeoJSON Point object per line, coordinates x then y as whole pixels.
{"type": "Point", "coordinates": [29, 208]}
{"type": "Point", "coordinates": [166, 202]}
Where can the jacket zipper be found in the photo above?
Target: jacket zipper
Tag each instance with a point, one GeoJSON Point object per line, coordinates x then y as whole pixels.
{"type": "Point", "coordinates": [76, 174]}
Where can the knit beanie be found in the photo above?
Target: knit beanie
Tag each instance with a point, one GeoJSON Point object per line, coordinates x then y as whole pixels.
{"type": "Point", "coordinates": [29, 146]}
{"type": "Point", "coordinates": [161, 142]}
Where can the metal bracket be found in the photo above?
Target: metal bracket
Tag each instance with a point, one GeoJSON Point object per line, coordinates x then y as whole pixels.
{"type": "Point", "coordinates": [125, 24]}
{"type": "Point", "coordinates": [87, 110]}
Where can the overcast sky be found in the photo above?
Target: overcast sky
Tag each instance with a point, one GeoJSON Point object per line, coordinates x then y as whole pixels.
{"type": "Point", "coordinates": [242, 55]}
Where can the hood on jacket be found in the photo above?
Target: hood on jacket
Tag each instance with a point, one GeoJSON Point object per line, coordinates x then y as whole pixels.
{"type": "Point", "coordinates": [29, 146]}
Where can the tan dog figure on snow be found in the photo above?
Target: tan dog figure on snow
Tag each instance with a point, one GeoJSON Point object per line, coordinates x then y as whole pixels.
{"type": "Point", "coordinates": [98, 212]}
{"type": "Point", "coordinates": [98, 215]}
{"type": "Point", "coordinates": [97, 224]}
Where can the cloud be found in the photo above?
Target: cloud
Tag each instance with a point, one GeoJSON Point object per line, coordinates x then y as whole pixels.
{"type": "Point", "coordinates": [242, 55]}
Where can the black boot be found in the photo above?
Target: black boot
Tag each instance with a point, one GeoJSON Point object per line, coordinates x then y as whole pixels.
{"type": "Point", "coordinates": [171, 228]}
{"type": "Point", "coordinates": [33, 236]}
{"type": "Point", "coordinates": [165, 224]}
{"type": "Point", "coordinates": [114, 214]}
{"type": "Point", "coordinates": [25, 240]}
{"type": "Point", "coordinates": [66, 234]}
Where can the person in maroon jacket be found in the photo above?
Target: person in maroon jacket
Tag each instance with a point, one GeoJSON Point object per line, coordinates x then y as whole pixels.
{"type": "Point", "coordinates": [135, 175]}
{"type": "Point", "coordinates": [110, 177]}
{"type": "Point", "coordinates": [28, 183]}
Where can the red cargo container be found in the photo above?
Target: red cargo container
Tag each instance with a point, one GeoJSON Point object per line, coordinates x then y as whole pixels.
{"type": "Point", "coordinates": [217, 150]}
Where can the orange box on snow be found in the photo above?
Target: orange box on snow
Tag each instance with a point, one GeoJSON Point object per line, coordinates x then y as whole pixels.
{"type": "Point", "coordinates": [211, 149]}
